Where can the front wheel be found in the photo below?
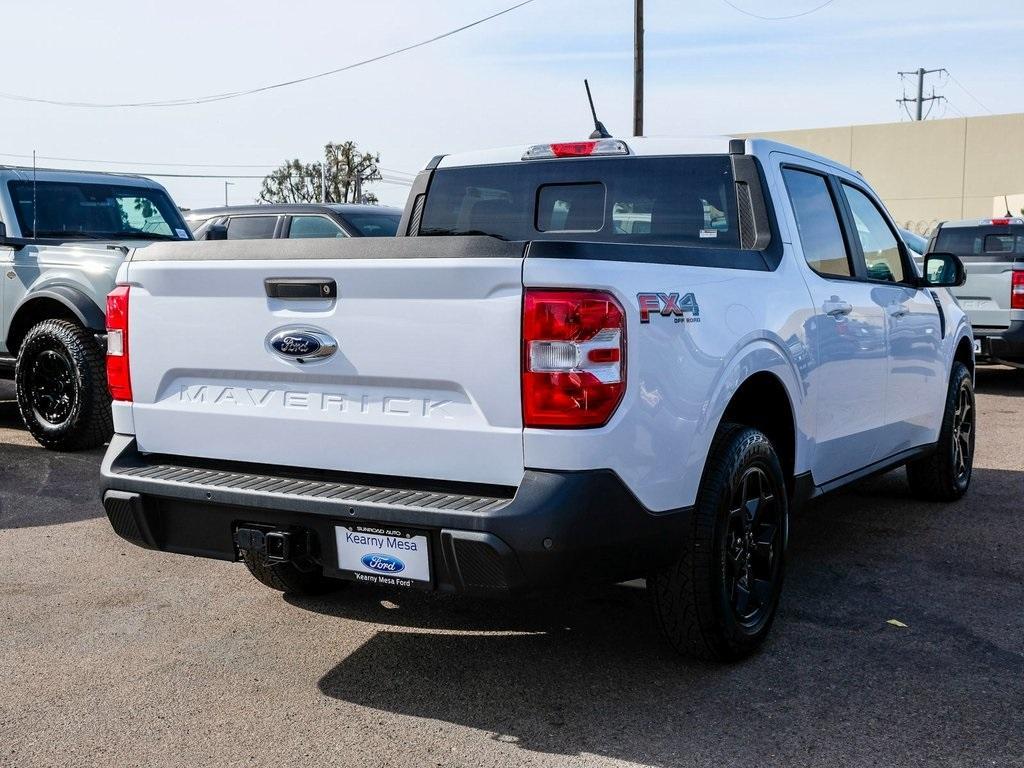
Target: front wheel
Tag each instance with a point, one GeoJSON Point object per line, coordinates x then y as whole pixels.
{"type": "Point", "coordinates": [718, 600]}
{"type": "Point", "coordinates": [945, 474]}
{"type": "Point", "coordinates": [61, 384]}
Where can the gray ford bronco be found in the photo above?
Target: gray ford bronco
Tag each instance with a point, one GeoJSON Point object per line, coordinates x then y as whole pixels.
{"type": "Point", "coordinates": [63, 236]}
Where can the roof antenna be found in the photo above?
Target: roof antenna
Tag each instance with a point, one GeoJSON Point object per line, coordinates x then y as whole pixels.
{"type": "Point", "coordinates": [35, 208]}
{"type": "Point", "coordinates": [600, 132]}
{"type": "Point", "coordinates": [1006, 202]}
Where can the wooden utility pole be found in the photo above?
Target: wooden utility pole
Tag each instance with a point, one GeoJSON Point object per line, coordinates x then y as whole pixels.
{"type": "Point", "coordinates": [638, 67]}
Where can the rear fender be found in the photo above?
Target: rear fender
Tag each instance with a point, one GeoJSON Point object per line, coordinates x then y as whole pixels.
{"type": "Point", "coordinates": [761, 355]}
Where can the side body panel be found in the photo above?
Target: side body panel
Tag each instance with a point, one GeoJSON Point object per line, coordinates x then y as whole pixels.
{"type": "Point", "coordinates": [681, 371]}
{"type": "Point", "coordinates": [37, 269]}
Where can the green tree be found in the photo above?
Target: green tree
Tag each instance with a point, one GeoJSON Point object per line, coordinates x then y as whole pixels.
{"type": "Point", "coordinates": [348, 171]}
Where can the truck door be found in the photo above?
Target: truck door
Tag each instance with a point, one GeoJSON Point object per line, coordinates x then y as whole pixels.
{"type": "Point", "coordinates": [916, 372]}
{"type": "Point", "coordinates": [846, 333]}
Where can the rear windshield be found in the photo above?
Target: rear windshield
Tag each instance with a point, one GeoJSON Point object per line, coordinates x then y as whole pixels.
{"type": "Point", "coordinates": [75, 210]}
{"type": "Point", "coordinates": [985, 243]}
{"type": "Point", "coordinates": [675, 200]}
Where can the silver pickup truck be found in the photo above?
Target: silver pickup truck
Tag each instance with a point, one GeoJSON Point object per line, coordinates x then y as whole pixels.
{"type": "Point", "coordinates": [992, 251]}
{"type": "Point", "coordinates": [63, 236]}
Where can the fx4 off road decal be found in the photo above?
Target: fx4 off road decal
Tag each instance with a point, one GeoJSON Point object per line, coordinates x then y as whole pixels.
{"type": "Point", "coordinates": [684, 310]}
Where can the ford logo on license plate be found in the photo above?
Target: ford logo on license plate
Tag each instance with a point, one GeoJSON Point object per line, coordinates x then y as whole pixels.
{"type": "Point", "coordinates": [382, 563]}
{"type": "Point", "coordinates": [302, 344]}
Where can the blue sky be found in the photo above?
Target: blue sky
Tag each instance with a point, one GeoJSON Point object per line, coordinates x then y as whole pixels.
{"type": "Point", "coordinates": [516, 79]}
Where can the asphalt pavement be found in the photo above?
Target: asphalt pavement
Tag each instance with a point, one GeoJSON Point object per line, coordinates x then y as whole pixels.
{"type": "Point", "coordinates": [111, 655]}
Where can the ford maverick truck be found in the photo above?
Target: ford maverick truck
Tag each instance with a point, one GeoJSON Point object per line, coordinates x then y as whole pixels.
{"type": "Point", "coordinates": [590, 360]}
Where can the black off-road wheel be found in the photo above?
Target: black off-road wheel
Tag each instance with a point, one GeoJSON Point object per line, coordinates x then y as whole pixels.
{"type": "Point", "coordinates": [718, 600]}
{"type": "Point", "coordinates": [945, 475]}
{"type": "Point", "coordinates": [61, 383]}
{"type": "Point", "coordinates": [287, 578]}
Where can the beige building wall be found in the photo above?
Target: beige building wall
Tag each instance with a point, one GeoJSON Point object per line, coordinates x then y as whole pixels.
{"type": "Point", "coordinates": [932, 170]}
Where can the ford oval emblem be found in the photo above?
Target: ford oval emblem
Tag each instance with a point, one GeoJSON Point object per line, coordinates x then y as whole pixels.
{"type": "Point", "coordinates": [302, 344]}
{"type": "Point", "coordinates": [382, 563]}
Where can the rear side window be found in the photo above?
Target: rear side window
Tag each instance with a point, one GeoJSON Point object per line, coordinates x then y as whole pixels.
{"type": "Point", "coordinates": [817, 223]}
{"type": "Point", "coordinates": [374, 224]}
{"type": "Point", "coordinates": [313, 226]}
{"type": "Point", "coordinates": [251, 227]}
{"type": "Point", "coordinates": [671, 200]}
{"type": "Point", "coordinates": [982, 243]}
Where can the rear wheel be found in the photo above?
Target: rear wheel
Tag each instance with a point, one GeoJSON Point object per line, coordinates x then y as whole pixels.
{"type": "Point", "coordinates": [287, 578]}
{"type": "Point", "coordinates": [945, 475]}
{"type": "Point", "coordinates": [62, 387]}
{"type": "Point", "coordinates": [718, 600]}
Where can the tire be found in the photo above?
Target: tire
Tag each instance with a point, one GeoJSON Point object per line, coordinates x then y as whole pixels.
{"type": "Point", "coordinates": [285, 577]}
{"type": "Point", "coordinates": [61, 383]}
{"type": "Point", "coordinates": [718, 600]}
{"type": "Point", "coordinates": [945, 475]}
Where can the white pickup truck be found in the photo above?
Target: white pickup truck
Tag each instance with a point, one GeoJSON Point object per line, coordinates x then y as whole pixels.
{"type": "Point", "coordinates": [588, 360]}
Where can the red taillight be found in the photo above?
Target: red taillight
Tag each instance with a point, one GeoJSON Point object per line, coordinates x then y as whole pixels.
{"type": "Point", "coordinates": [1017, 289]}
{"type": "Point", "coordinates": [574, 352]}
{"type": "Point", "coordinates": [119, 380]}
{"type": "Point", "coordinates": [1000, 222]}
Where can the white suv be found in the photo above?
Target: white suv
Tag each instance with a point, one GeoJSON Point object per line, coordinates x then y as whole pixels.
{"type": "Point", "coordinates": [587, 360]}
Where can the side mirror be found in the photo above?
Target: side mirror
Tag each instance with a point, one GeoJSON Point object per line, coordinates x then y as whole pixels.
{"type": "Point", "coordinates": [216, 232]}
{"type": "Point", "coordinates": [943, 270]}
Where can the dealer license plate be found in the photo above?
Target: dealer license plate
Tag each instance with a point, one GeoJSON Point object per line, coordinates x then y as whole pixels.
{"type": "Point", "coordinates": [383, 555]}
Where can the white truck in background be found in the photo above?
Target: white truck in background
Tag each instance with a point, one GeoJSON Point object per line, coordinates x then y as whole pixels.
{"type": "Point", "coordinates": [63, 236]}
{"type": "Point", "coordinates": [585, 360]}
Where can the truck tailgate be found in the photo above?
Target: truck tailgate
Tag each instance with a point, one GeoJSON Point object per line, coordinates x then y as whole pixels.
{"type": "Point", "coordinates": [985, 297]}
{"type": "Point", "coordinates": [424, 382]}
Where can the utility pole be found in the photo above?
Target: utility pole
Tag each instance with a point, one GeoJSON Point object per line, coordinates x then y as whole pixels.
{"type": "Point", "coordinates": [638, 67]}
{"type": "Point", "coordinates": [921, 98]}
{"type": "Point", "coordinates": [226, 185]}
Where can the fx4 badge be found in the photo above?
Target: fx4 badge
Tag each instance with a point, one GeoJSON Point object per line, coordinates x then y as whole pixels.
{"type": "Point", "coordinates": [685, 309]}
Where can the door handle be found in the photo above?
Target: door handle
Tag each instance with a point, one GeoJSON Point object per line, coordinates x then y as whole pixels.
{"type": "Point", "coordinates": [837, 308]}
{"type": "Point", "coordinates": [300, 288]}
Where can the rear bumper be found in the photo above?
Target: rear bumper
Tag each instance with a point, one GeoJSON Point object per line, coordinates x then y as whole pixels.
{"type": "Point", "coordinates": [556, 528]}
{"type": "Point", "coordinates": [1005, 344]}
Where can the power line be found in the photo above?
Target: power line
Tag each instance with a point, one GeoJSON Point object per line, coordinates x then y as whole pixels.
{"type": "Point", "coordinates": [976, 99]}
{"type": "Point", "coordinates": [138, 163]}
{"type": "Point", "coordinates": [778, 18]}
{"type": "Point", "coordinates": [188, 101]}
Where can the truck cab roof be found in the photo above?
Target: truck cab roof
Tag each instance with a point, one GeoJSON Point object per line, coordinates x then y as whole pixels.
{"type": "Point", "coordinates": [641, 146]}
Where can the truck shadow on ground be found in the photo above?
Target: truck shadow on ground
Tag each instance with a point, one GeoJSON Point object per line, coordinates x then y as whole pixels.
{"type": "Point", "coordinates": [587, 674]}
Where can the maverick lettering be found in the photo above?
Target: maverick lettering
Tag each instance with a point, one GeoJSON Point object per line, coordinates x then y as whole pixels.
{"type": "Point", "coordinates": [325, 402]}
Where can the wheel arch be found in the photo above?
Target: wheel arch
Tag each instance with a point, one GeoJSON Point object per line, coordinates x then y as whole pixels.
{"type": "Point", "coordinates": [964, 353]}
{"type": "Point", "coordinates": [762, 401]}
{"type": "Point", "coordinates": [56, 302]}
{"type": "Point", "coordinates": [765, 388]}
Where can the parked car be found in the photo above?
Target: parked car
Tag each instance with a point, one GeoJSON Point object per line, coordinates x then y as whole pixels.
{"type": "Point", "coordinates": [63, 235]}
{"type": "Point", "coordinates": [521, 393]}
{"type": "Point", "coordinates": [992, 251]}
{"type": "Point", "coordinates": [294, 221]}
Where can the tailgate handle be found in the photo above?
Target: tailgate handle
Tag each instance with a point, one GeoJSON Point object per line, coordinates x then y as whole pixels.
{"type": "Point", "coordinates": [301, 288]}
